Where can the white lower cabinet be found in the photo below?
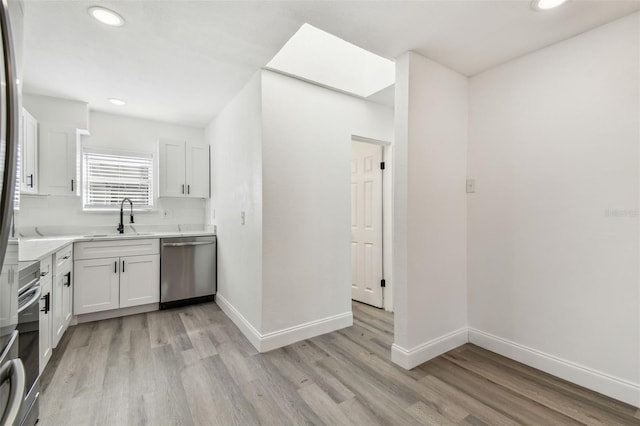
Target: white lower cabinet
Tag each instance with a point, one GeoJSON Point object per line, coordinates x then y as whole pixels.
{"type": "Point", "coordinates": [46, 346]}
{"type": "Point", "coordinates": [97, 285]}
{"type": "Point", "coordinates": [105, 283]}
{"type": "Point", "coordinates": [62, 292]}
{"type": "Point", "coordinates": [139, 280]}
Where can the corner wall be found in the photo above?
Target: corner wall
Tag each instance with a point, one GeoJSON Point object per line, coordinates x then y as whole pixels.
{"type": "Point", "coordinates": [235, 136]}
{"type": "Point", "coordinates": [430, 223]}
{"type": "Point", "coordinates": [307, 133]}
{"type": "Point", "coordinates": [553, 226]}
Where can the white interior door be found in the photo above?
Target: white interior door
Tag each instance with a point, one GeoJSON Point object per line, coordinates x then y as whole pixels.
{"type": "Point", "coordinates": [366, 223]}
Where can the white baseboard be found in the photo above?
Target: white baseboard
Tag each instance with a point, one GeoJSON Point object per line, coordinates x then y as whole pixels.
{"type": "Point", "coordinates": [605, 384]}
{"type": "Point", "coordinates": [409, 358]}
{"type": "Point", "coordinates": [240, 321]}
{"type": "Point", "coordinates": [308, 330]}
{"type": "Point", "coordinates": [269, 341]}
{"type": "Point", "coordinates": [114, 313]}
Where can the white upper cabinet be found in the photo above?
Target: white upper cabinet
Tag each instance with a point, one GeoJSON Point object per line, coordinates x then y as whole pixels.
{"type": "Point", "coordinates": [197, 170]}
{"type": "Point", "coordinates": [172, 168]}
{"type": "Point", "coordinates": [28, 153]}
{"type": "Point", "coordinates": [184, 169]}
{"type": "Point", "coordinates": [59, 167]}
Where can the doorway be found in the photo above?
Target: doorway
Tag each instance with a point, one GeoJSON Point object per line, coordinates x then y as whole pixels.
{"type": "Point", "coordinates": [368, 192]}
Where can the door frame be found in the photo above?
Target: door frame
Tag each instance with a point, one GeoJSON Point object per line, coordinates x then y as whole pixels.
{"type": "Point", "coordinates": [387, 217]}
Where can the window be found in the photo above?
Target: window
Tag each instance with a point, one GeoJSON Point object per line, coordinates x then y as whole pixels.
{"type": "Point", "coordinates": [108, 178]}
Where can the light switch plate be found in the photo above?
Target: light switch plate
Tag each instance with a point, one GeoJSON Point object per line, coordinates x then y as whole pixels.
{"type": "Point", "coordinates": [471, 186]}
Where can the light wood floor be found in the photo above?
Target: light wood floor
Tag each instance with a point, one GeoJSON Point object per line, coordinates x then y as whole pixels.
{"type": "Point", "coordinates": [192, 366]}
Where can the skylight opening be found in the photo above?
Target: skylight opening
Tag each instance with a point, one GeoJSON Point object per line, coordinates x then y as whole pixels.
{"type": "Point", "coordinates": [320, 57]}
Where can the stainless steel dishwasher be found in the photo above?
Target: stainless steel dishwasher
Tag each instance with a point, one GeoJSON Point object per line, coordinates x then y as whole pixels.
{"type": "Point", "coordinates": [187, 270]}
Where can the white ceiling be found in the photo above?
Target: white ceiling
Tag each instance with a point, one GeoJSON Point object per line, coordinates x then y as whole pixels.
{"type": "Point", "coordinates": [182, 61]}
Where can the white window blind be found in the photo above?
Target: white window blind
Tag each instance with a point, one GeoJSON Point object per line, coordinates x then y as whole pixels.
{"type": "Point", "coordinates": [108, 178]}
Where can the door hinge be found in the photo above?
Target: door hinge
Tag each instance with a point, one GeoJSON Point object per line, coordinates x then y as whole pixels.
{"type": "Point", "coordinates": [383, 283]}
{"type": "Point", "coordinates": [382, 166]}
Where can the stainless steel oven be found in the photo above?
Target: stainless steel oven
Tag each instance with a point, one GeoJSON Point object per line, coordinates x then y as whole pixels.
{"type": "Point", "coordinates": [29, 293]}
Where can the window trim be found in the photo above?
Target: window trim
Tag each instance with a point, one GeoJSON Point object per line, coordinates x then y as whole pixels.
{"type": "Point", "coordinates": [118, 152]}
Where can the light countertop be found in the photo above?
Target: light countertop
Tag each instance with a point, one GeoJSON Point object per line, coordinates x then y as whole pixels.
{"type": "Point", "coordinates": [38, 248]}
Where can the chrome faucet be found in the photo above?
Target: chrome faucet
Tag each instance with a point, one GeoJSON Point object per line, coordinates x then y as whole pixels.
{"type": "Point", "coordinates": [121, 225]}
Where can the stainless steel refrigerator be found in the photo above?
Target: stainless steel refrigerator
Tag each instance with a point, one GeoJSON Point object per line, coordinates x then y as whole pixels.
{"type": "Point", "coordinates": [12, 372]}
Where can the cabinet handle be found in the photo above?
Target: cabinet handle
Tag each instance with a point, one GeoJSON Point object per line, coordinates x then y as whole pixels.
{"type": "Point", "coordinates": [183, 188]}
{"type": "Point", "coordinates": [30, 184]}
{"type": "Point", "coordinates": [115, 267]}
{"type": "Point", "coordinates": [123, 266]}
{"type": "Point", "coordinates": [67, 277]}
{"type": "Point", "coordinates": [47, 303]}
{"type": "Point", "coordinates": [71, 185]}
{"type": "Point", "coordinates": [188, 189]}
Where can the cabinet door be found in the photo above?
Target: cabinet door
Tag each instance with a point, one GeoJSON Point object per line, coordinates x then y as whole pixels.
{"type": "Point", "coordinates": [58, 162]}
{"type": "Point", "coordinates": [172, 172]}
{"type": "Point", "coordinates": [139, 280]}
{"type": "Point", "coordinates": [57, 296]}
{"type": "Point", "coordinates": [46, 348]}
{"type": "Point", "coordinates": [29, 154]}
{"type": "Point", "coordinates": [96, 285]}
{"type": "Point", "coordinates": [197, 170]}
{"type": "Point", "coordinates": [67, 299]}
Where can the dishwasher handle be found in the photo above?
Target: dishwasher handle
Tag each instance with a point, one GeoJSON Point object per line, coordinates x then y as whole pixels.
{"type": "Point", "coordinates": [195, 243]}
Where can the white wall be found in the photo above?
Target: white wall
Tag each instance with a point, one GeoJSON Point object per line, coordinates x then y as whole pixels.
{"type": "Point", "coordinates": [306, 198]}
{"type": "Point", "coordinates": [235, 136]}
{"type": "Point", "coordinates": [55, 110]}
{"type": "Point", "coordinates": [553, 227]}
{"type": "Point", "coordinates": [119, 133]}
{"type": "Point", "coordinates": [429, 210]}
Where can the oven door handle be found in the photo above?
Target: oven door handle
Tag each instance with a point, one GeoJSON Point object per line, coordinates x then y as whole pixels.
{"type": "Point", "coordinates": [36, 297]}
{"type": "Point", "coordinates": [13, 371]}
{"type": "Point", "coordinates": [26, 286]}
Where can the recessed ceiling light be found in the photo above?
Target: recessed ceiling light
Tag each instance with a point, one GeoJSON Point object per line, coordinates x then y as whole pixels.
{"type": "Point", "coordinates": [546, 4]}
{"type": "Point", "coordinates": [116, 101]}
{"type": "Point", "coordinates": [106, 16]}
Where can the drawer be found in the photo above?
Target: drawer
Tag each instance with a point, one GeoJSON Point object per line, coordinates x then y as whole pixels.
{"type": "Point", "coordinates": [116, 248]}
{"type": "Point", "coordinates": [63, 258]}
{"type": "Point", "coordinates": [46, 270]}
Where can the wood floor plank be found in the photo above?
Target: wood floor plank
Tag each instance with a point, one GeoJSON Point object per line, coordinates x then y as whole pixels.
{"type": "Point", "coordinates": [529, 388]}
{"type": "Point", "coordinates": [193, 366]}
{"type": "Point", "coordinates": [577, 394]}
{"type": "Point", "coordinates": [427, 398]}
{"type": "Point", "coordinates": [240, 367]}
{"type": "Point", "coordinates": [358, 414]}
{"type": "Point", "coordinates": [302, 372]}
{"type": "Point", "coordinates": [427, 415]}
{"type": "Point", "coordinates": [371, 395]}
{"type": "Point", "coordinates": [323, 405]}
{"type": "Point", "coordinates": [522, 410]}
{"type": "Point", "coordinates": [140, 363]}
{"type": "Point", "coordinates": [168, 398]}
{"type": "Point", "coordinates": [213, 396]}
{"type": "Point", "coordinates": [285, 394]}
{"type": "Point", "coordinates": [267, 410]}
{"type": "Point", "coordinates": [464, 401]}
